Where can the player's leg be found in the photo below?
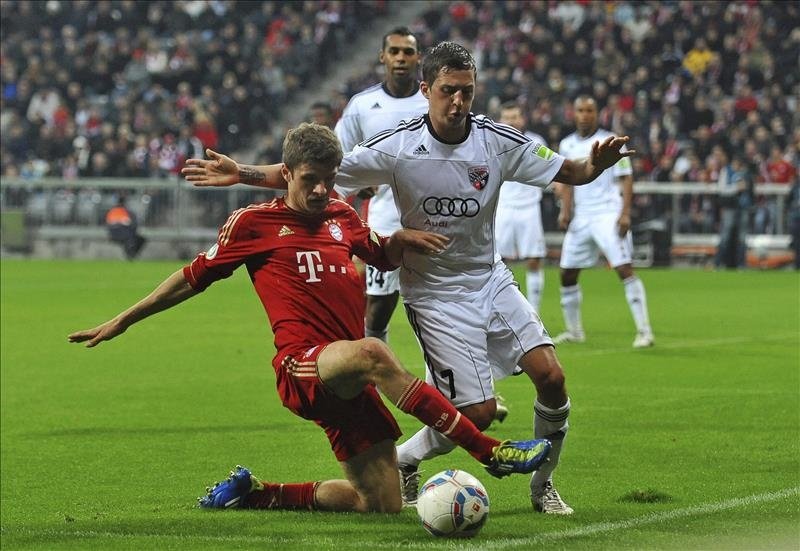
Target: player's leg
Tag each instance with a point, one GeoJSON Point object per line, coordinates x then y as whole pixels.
{"type": "Point", "coordinates": [372, 476]}
{"type": "Point", "coordinates": [453, 345]}
{"type": "Point", "coordinates": [619, 253]}
{"type": "Point", "coordinates": [371, 486]}
{"type": "Point", "coordinates": [550, 417]}
{"type": "Point", "coordinates": [533, 248]}
{"type": "Point", "coordinates": [571, 299]}
{"type": "Point", "coordinates": [534, 282]}
{"type": "Point", "coordinates": [517, 337]}
{"type": "Point", "coordinates": [577, 251]}
{"type": "Point", "coordinates": [346, 367]}
{"type": "Point", "coordinates": [382, 295]}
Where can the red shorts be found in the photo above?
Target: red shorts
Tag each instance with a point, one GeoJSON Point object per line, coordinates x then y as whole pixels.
{"type": "Point", "coordinates": [352, 426]}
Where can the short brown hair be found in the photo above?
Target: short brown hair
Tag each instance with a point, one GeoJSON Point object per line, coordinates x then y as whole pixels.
{"type": "Point", "coordinates": [311, 143]}
{"type": "Point", "coordinates": [448, 56]}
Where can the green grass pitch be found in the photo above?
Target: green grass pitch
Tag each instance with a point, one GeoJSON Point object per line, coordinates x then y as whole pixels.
{"type": "Point", "coordinates": [694, 444]}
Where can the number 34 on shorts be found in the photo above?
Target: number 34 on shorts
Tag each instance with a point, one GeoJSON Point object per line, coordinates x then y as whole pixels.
{"type": "Point", "coordinates": [382, 283]}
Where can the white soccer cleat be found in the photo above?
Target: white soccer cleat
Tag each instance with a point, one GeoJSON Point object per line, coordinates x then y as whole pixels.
{"type": "Point", "coordinates": [568, 336]}
{"type": "Point", "coordinates": [409, 484]}
{"type": "Point", "coordinates": [643, 340]}
{"type": "Point", "coordinates": [546, 500]}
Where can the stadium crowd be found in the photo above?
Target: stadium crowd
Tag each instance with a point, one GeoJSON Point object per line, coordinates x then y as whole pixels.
{"type": "Point", "coordinates": [693, 83]}
{"type": "Point", "coordinates": [127, 88]}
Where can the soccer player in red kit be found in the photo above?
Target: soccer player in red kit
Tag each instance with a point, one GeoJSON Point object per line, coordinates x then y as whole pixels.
{"type": "Point", "coordinates": [297, 250]}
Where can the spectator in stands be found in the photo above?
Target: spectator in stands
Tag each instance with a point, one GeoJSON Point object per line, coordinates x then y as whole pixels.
{"type": "Point", "coordinates": [779, 170]}
{"type": "Point", "coordinates": [735, 199]}
{"type": "Point", "coordinates": [322, 113]}
{"type": "Point", "coordinates": [123, 229]}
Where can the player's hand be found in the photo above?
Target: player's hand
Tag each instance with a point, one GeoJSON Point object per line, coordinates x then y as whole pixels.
{"type": "Point", "coordinates": [367, 193]}
{"type": "Point", "coordinates": [420, 241]}
{"type": "Point", "coordinates": [95, 336]}
{"type": "Point", "coordinates": [607, 153]}
{"type": "Point", "coordinates": [218, 170]}
{"type": "Point", "coordinates": [623, 224]}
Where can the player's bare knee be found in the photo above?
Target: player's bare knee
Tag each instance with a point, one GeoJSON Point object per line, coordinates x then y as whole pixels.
{"type": "Point", "coordinates": [551, 381]}
{"type": "Point", "coordinates": [375, 358]}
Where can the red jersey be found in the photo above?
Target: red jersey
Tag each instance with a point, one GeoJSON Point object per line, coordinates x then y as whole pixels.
{"type": "Point", "coordinates": [300, 266]}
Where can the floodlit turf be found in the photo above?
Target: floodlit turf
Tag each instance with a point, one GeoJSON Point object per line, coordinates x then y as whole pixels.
{"type": "Point", "coordinates": [694, 444]}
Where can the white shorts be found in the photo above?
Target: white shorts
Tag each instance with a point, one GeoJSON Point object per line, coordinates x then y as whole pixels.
{"type": "Point", "coordinates": [382, 283]}
{"type": "Point", "coordinates": [519, 233]}
{"type": "Point", "coordinates": [468, 343]}
{"type": "Point", "coordinates": [588, 235]}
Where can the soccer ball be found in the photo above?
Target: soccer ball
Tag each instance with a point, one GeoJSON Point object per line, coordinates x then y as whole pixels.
{"type": "Point", "coordinates": [453, 504]}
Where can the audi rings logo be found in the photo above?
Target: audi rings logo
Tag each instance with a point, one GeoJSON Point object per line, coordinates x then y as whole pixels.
{"type": "Point", "coordinates": [451, 206]}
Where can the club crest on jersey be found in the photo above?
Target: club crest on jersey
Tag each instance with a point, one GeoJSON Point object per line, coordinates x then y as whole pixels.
{"type": "Point", "coordinates": [212, 252]}
{"type": "Point", "coordinates": [335, 230]}
{"type": "Point", "coordinates": [478, 176]}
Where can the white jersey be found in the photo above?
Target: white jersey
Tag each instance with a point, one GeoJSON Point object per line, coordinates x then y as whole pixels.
{"type": "Point", "coordinates": [514, 195]}
{"type": "Point", "coordinates": [448, 188]}
{"type": "Point", "coordinates": [601, 195]}
{"type": "Point", "coordinates": [366, 114]}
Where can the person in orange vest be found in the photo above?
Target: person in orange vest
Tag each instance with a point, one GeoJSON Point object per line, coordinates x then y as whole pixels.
{"type": "Point", "coordinates": [123, 229]}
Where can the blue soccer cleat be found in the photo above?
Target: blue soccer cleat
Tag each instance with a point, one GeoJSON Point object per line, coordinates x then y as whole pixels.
{"type": "Point", "coordinates": [518, 456]}
{"type": "Point", "coordinates": [230, 493]}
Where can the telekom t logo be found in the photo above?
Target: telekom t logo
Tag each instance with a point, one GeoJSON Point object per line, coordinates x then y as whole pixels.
{"type": "Point", "coordinates": [306, 260]}
{"type": "Point", "coordinates": [310, 263]}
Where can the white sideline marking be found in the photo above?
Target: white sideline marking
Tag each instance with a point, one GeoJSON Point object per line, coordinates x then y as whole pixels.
{"type": "Point", "coordinates": [654, 518]}
{"type": "Point", "coordinates": [580, 350]}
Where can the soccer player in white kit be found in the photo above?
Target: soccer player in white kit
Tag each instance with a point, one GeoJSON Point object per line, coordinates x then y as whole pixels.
{"type": "Point", "coordinates": [601, 222]}
{"type": "Point", "coordinates": [377, 108]}
{"type": "Point", "coordinates": [518, 224]}
{"type": "Point", "coordinates": [470, 318]}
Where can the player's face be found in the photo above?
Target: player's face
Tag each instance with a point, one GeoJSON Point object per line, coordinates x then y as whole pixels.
{"type": "Point", "coordinates": [586, 117]}
{"type": "Point", "coordinates": [513, 117]}
{"type": "Point", "coordinates": [400, 58]}
{"type": "Point", "coordinates": [449, 101]}
{"type": "Point", "coordinates": [310, 186]}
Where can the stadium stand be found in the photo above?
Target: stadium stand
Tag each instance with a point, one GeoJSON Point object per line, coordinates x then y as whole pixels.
{"type": "Point", "coordinates": [124, 88]}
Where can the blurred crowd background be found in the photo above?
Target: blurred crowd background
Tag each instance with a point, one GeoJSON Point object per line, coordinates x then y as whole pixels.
{"type": "Point", "coordinates": [127, 88]}
{"type": "Point", "coordinates": [131, 88]}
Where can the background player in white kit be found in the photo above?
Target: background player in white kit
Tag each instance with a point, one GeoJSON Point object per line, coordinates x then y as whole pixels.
{"type": "Point", "coordinates": [471, 320]}
{"type": "Point", "coordinates": [518, 225]}
{"type": "Point", "coordinates": [377, 108]}
{"type": "Point", "coordinates": [601, 222]}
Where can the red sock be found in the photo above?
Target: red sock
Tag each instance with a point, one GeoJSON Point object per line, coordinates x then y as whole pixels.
{"type": "Point", "coordinates": [282, 496]}
{"type": "Point", "coordinates": [428, 405]}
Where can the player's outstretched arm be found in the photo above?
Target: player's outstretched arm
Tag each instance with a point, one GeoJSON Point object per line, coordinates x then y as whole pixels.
{"type": "Point", "coordinates": [173, 290]}
{"type": "Point", "coordinates": [604, 155]}
{"type": "Point", "coordinates": [417, 240]}
{"type": "Point", "coordinates": [220, 170]}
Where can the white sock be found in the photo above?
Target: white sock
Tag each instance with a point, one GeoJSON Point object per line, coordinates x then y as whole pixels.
{"type": "Point", "coordinates": [382, 334]}
{"type": "Point", "coordinates": [424, 444]}
{"type": "Point", "coordinates": [571, 298]}
{"type": "Point", "coordinates": [637, 301]}
{"type": "Point", "coordinates": [551, 424]}
{"type": "Point", "coordinates": [534, 282]}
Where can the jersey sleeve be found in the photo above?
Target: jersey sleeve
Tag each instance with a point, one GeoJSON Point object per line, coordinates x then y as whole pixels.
{"type": "Point", "coordinates": [234, 245]}
{"type": "Point", "coordinates": [363, 167]}
{"type": "Point", "coordinates": [531, 163]}
{"type": "Point", "coordinates": [348, 128]}
{"type": "Point", "coordinates": [369, 245]}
